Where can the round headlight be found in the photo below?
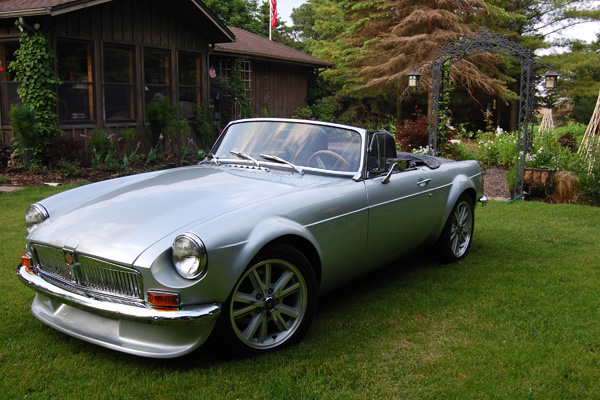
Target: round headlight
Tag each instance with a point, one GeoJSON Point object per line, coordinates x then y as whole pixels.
{"type": "Point", "coordinates": [35, 215]}
{"type": "Point", "coordinates": [189, 256]}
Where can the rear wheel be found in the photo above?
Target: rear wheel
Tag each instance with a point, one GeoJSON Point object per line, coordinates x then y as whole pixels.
{"type": "Point", "coordinates": [272, 304]}
{"type": "Point", "coordinates": [455, 241]}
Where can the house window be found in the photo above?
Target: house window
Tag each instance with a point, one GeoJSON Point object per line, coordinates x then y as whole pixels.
{"type": "Point", "coordinates": [190, 93]}
{"type": "Point", "coordinates": [75, 69]}
{"type": "Point", "coordinates": [8, 86]}
{"type": "Point", "coordinates": [225, 70]}
{"type": "Point", "coordinates": [119, 83]}
{"type": "Point", "coordinates": [226, 108]}
{"type": "Point", "coordinates": [157, 75]}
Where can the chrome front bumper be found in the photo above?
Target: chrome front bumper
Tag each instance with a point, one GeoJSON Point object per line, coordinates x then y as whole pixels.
{"type": "Point", "coordinates": [136, 330]}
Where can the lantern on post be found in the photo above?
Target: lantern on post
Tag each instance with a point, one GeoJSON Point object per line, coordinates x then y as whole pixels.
{"type": "Point", "coordinates": [413, 79]}
{"type": "Point", "coordinates": [550, 79]}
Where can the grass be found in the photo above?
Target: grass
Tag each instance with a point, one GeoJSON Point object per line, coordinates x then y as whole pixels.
{"type": "Point", "coordinates": [517, 319]}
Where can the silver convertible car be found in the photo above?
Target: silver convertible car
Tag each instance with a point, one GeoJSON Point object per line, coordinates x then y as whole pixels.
{"type": "Point", "coordinates": [241, 245]}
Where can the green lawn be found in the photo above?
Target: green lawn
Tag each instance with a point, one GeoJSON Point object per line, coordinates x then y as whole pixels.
{"type": "Point", "coordinates": [519, 318]}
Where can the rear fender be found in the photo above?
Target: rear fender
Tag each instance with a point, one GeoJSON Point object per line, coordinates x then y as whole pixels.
{"type": "Point", "coordinates": [460, 185]}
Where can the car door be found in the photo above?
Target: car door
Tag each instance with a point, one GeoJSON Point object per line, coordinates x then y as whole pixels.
{"type": "Point", "coordinates": [403, 213]}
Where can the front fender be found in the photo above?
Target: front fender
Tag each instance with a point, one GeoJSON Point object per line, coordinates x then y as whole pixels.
{"type": "Point", "coordinates": [268, 231]}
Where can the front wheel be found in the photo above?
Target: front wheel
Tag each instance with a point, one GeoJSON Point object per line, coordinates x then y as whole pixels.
{"type": "Point", "coordinates": [455, 241]}
{"type": "Point", "coordinates": [272, 304]}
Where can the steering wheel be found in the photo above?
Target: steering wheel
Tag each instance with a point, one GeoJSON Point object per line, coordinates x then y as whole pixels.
{"type": "Point", "coordinates": [328, 153]}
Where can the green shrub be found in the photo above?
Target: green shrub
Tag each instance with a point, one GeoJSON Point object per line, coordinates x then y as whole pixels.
{"type": "Point", "coordinates": [166, 126]}
{"type": "Point", "coordinates": [204, 126]}
{"type": "Point", "coordinates": [160, 115]}
{"type": "Point", "coordinates": [497, 148]}
{"type": "Point", "coordinates": [303, 113]}
{"type": "Point", "coordinates": [26, 128]}
{"type": "Point", "coordinates": [459, 152]}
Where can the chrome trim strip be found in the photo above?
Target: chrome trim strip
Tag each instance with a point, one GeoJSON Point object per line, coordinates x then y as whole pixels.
{"type": "Point", "coordinates": [410, 195]}
{"type": "Point", "coordinates": [192, 315]}
{"type": "Point", "coordinates": [336, 217]}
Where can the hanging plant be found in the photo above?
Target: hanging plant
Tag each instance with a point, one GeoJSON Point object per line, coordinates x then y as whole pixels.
{"type": "Point", "coordinates": [33, 68]}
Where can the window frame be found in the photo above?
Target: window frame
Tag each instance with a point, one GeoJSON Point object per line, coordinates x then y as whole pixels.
{"type": "Point", "coordinates": [131, 84]}
{"type": "Point", "coordinates": [89, 85]}
{"type": "Point", "coordinates": [183, 87]}
{"type": "Point", "coordinates": [168, 76]}
{"type": "Point", "coordinates": [5, 102]}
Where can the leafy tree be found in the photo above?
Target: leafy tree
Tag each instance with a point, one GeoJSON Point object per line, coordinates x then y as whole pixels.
{"type": "Point", "coordinates": [302, 29]}
{"type": "Point", "coordinates": [242, 14]}
{"type": "Point", "coordinates": [579, 83]}
{"type": "Point", "coordinates": [250, 16]}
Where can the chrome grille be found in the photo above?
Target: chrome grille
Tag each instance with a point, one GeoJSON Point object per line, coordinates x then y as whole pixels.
{"type": "Point", "coordinates": [52, 262]}
{"type": "Point", "coordinates": [87, 275]}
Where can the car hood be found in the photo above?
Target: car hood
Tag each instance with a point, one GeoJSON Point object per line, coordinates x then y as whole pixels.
{"type": "Point", "coordinates": [118, 221]}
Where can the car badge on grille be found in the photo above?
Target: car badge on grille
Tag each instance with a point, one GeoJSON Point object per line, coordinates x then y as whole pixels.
{"type": "Point", "coordinates": [69, 258]}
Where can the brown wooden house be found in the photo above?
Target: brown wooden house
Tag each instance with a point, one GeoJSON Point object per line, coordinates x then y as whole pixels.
{"type": "Point", "coordinates": [116, 56]}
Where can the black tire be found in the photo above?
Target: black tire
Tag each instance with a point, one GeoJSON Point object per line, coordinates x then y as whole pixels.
{"type": "Point", "coordinates": [271, 306]}
{"type": "Point", "coordinates": [455, 240]}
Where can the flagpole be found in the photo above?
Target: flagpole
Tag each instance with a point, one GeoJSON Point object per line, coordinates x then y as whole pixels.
{"type": "Point", "coordinates": [270, 18]}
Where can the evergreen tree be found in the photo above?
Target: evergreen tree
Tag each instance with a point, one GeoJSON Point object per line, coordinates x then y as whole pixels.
{"type": "Point", "coordinates": [376, 43]}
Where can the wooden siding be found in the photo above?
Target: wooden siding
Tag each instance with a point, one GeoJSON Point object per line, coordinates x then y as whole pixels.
{"type": "Point", "coordinates": [281, 89]}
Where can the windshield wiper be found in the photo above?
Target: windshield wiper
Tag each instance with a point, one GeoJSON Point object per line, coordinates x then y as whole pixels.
{"type": "Point", "coordinates": [282, 161]}
{"type": "Point", "coordinates": [245, 156]}
{"type": "Point", "coordinates": [214, 157]}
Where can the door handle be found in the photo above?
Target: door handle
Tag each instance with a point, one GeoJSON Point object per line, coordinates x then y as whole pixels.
{"type": "Point", "coordinates": [423, 182]}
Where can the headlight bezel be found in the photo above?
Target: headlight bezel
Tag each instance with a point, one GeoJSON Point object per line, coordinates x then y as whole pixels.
{"type": "Point", "coordinates": [34, 216]}
{"type": "Point", "coordinates": [189, 257]}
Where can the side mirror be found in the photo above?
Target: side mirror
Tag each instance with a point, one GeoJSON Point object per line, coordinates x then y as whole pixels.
{"type": "Point", "coordinates": [394, 163]}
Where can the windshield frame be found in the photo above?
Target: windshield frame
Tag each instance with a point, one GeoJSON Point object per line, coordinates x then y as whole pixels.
{"type": "Point", "coordinates": [224, 157]}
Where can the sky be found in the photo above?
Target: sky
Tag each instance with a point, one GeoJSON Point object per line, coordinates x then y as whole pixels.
{"type": "Point", "coordinates": [585, 32]}
{"type": "Point", "coordinates": [284, 9]}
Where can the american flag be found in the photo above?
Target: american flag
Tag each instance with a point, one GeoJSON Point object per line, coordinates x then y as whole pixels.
{"type": "Point", "coordinates": [273, 13]}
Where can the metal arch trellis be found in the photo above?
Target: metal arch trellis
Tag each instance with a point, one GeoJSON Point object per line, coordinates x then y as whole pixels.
{"type": "Point", "coordinates": [485, 41]}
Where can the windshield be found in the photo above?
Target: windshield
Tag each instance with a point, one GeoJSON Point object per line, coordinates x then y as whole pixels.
{"type": "Point", "coordinates": [300, 144]}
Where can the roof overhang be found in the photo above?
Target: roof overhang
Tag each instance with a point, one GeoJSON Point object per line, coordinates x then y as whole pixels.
{"type": "Point", "coordinates": [222, 34]}
{"type": "Point", "coordinates": [52, 10]}
{"type": "Point", "coordinates": [259, 56]}
{"type": "Point", "coordinates": [252, 46]}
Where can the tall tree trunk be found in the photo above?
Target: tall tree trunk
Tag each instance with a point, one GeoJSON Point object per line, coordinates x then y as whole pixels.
{"type": "Point", "coordinates": [399, 112]}
{"type": "Point", "coordinates": [514, 115]}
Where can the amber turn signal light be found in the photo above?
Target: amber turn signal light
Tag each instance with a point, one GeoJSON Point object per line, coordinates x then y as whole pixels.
{"type": "Point", "coordinates": [26, 262]}
{"type": "Point", "coordinates": [160, 299]}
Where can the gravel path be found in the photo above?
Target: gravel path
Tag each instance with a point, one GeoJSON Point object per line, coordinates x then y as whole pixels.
{"type": "Point", "coordinates": [494, 186]}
